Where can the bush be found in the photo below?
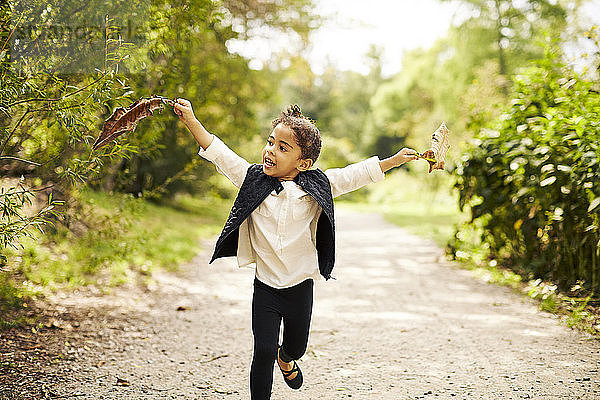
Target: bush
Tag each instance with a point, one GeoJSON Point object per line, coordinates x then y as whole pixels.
{"type": "Point", "coordinates": [531, 177]}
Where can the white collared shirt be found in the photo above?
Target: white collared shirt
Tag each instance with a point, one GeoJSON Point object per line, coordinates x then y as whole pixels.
{"type": "Point", "coordinates": [279, 236]}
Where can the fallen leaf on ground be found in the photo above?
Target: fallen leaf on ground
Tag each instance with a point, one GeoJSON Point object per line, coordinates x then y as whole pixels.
{"type": "Point", "coordinates": [58, 324]}
{"type": "Point", "coordinates": [122, 382]}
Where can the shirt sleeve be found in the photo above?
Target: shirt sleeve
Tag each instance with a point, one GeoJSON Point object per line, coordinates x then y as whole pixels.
{"type": "Point", "coordinates": [226, 160]}
{"type": "Point", "coordinates": [354, 176]}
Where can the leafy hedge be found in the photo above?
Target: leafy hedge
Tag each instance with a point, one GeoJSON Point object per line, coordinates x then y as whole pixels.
{"type": "Point", "coordinates": [532, 178]}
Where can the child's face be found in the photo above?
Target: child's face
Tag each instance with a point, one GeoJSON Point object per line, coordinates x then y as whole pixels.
{"type": "Point", "coordinates": [282, 155]}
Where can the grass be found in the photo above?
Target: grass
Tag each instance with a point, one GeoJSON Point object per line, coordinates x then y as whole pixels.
{"type": "Point", "coordinates": [111, 239]}
{"type": "Point", "coordinates": [123, 235]}
{"type": "Point", "coordinates": [14, 297]}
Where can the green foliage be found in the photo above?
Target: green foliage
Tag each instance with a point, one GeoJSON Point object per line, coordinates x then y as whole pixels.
{"type": "Point", "coordinates": [184, 52]}
{"type": "Point", "coordinates": [12, 225]}
{"type": "Point", "coordinates": [463, 73]}
{"type": "Point", "coordinates": [65, 66]}
{"type": "Point", "coordinates": [404, 109]}
{"type": "Point", "coordinates": [338, 101]}
{"type": "Point", "coordinates": [47, 111]}
{"type": "Point", "coordinates": [510, 30]}
{"type": "Point", "coordinates": [530, 177]}
{"type": "Point", "coordinates": [113, 239]}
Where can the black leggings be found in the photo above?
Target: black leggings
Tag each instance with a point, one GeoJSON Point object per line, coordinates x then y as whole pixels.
{"type": "Point", "coordinates": [269, 307]}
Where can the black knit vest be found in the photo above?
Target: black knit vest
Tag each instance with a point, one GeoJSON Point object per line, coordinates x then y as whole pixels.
{"type": "Point", "coordinates": [256, 187]}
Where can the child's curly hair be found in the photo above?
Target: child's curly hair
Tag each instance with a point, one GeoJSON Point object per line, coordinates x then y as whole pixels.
{"type": "Point", "coordinates": [307, 134]}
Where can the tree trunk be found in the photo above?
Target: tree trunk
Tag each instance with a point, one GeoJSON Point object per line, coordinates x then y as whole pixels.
{"type": "Point", "coordinates": [501, 55]}
{"type": "Point", "coordinates": [108, 184]}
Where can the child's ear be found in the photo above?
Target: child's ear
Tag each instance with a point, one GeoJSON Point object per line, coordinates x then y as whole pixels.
{"type": "Point", "coordinates": [304, 164]}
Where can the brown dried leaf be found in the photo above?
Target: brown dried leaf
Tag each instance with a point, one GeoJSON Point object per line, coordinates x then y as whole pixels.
{"type": "Point", "coordinates": [440, 145]}
{"type": "Point", "coordinates": [126, 119]}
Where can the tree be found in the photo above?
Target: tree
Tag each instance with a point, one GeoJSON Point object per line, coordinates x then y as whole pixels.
{"type": "Point", "coordinates": [63, 72]}
{"type": "Point", "coordinates": [186, 53]}
{"type": "Point", "coordinates": [436, 84]}
{"type": "Point", "coordinates": [47, 111]}
{"type": "Point", "coordinates": [337, 100]}
{"type": "Point", "coordinates": [405, 109]}
{"type": "Point", "coordinates": [516, 27]}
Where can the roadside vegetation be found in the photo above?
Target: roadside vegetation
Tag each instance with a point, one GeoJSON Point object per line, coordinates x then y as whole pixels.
{"type": "Point", "coordinates": [113, 239]}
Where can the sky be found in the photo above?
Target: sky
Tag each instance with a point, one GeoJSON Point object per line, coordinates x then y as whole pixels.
{"type": "Point", "coordinates": [352, 26]}
{"type": "Point", "coordinates": [395, 26]}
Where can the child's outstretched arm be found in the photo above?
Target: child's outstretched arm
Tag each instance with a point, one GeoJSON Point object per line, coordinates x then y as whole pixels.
{"type": "Point", "coordinates": [355, 176]}
{"type": "Point", "coordinates": [183, 109]}
{"type": "Point", "coordinates": [213, 149]}
{"type": "Point", "coordinates": [401, 157]}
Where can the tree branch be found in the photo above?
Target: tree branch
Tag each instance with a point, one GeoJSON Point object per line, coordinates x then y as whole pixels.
{"type": "Point", "coordinates": [57, 109]}
{"type": "Point", "coordinates": [11, 32]}
{"type": "Point", "coordinates": [13, 131]}
{"type": "Point", "coordinates": [20, 160]}
{"type": "Point", "coordinates": [61, 98]}
{"type": "Point", "coordinates": [26, 191]}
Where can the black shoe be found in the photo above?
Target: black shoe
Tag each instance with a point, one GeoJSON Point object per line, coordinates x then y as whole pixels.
{"type": "Point", "coordinates": [295, 383]}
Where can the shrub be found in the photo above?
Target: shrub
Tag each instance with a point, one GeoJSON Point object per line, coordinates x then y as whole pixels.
{"type": "Point", "coordinates": [531, 177]}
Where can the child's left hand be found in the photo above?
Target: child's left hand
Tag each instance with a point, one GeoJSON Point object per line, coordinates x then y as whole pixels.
{"type": "Point", "coordinates": [431, 155]}
{"type": "Point", "coordinates": [406, 155]}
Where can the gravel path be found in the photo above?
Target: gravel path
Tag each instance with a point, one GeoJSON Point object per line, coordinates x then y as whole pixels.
{"type": "Point", "coordinates": [398, 323]}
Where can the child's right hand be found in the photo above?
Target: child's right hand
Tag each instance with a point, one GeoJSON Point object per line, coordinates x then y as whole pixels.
{"type": "Point", "coordinates": [183, 109]}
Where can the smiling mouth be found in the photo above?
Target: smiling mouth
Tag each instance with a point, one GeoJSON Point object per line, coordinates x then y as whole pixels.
{"type": "Point", "coordinates": [269, 163]}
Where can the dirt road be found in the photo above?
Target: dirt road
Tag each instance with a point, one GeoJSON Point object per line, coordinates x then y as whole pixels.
{"type": "Point", "coordinates": [398, 323]}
